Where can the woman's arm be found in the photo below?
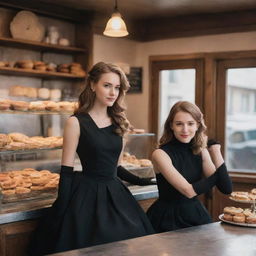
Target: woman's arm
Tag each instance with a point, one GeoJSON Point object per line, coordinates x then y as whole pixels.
{"type": "Point", "coordinates": [216, 155]}
{"type": "Point", "coordinates": [208, 166]}
{"type": "Point", "coordinates": [163, 164]}
{"type": "Point", "coordinates": [70, 141]}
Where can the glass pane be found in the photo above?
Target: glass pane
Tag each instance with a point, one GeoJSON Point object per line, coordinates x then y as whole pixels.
{"type": "Point", "coordinates": [175, 85]}
{"type": "Point", "coordinates": [241, 119]}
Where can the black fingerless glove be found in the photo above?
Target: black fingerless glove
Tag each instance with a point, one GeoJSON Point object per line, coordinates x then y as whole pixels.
{"type": "Point", "coordinates": [125, 175]}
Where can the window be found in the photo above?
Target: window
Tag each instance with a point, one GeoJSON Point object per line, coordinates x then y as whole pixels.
{"type": "Point", "coordinates": [239, 80]}
{"type": "Point", "coordinates": [173, 81]}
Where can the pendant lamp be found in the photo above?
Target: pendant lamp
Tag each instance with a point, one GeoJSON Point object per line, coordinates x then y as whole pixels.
{"type": "Point", "coordinates": [115, 26]}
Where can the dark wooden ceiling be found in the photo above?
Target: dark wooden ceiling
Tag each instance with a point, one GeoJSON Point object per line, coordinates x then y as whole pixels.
{"type": "Point", "coordinates": [157, 19]}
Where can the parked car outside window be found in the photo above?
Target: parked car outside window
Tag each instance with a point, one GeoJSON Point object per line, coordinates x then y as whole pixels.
{"type": "Point", "coordinates": [241, 145]}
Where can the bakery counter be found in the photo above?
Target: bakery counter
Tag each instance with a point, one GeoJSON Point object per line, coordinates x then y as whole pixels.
{"type": "Point", "coordinates": [210, 239]}
{"type": "Point", "coordinates": [34, 209]}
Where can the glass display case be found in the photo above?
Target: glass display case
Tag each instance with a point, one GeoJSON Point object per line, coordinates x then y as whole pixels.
{"type": "Point", "coordinates": [137, 154]}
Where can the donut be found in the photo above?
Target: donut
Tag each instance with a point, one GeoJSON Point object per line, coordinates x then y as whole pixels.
{"type": "Point", "coordinates": [239, 218]}
{"type": "Point", "coordinates": [227, 217]}
{"type": "Point", "coordinates": [232, 210]}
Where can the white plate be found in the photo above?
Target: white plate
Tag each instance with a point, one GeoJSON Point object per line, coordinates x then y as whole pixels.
{"type": "Point", "coordinates": [236, 223]}
{"type": "Point", "coordinates": [242, 201]}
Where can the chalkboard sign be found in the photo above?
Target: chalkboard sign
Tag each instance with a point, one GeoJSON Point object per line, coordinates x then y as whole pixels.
{"type": "Point", "coordinates": [135, 79]}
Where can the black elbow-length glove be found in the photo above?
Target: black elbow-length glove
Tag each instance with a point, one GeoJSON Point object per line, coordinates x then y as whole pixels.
{"type": "Point", "coordinates": [65, 188]}
{"type": "Point", "coordinates": [125, 175]}
{"type": "Point", "coordinates": [224, 183]}
{"type": "Point", "coordinates": [220, 178]}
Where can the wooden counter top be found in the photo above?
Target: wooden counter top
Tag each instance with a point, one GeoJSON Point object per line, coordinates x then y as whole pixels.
{"type": "Point", "coordinates": [216, 239]}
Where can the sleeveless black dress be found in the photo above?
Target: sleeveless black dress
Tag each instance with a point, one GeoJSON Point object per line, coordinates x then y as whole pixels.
{"type": "Point", "coordinates": [100, 209]}
{"type": "Point", "coordinates": [173, 210]}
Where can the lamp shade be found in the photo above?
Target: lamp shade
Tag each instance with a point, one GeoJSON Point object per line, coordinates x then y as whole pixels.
{"type": "Point", "coordinates": [115, 26]}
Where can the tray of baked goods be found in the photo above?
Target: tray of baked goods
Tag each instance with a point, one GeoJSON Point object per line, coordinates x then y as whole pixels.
{"type": "Point", "coordinates": [27, 184]}
{"type": "Point", "coordinates": [15, 141]}
{"type": "Point", "coordinates": [132, 162]}
{"type": "Point", "coordinates": [37, 107]}
{"type": "Point", "coordinates": [238, 216]}
{"type": "Point", "coordinates": [243, 196]}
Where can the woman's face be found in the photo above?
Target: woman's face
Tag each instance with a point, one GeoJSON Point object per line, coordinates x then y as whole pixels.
{"type": "Point", "coordinates": [107, 89]}
{"type": "Point", "coordinates": [184, 127]}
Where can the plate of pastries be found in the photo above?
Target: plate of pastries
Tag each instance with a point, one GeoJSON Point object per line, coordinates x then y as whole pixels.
{"type": "Point", "coordinates": [238, 216]}
{"type": "Point", "coordinates": [244, 197]}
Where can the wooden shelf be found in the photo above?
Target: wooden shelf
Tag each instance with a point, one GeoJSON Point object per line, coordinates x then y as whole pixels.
{"type": "Point", "coordinates": [33, 45]}
{"type": "Point", "coordinates": [36, 73]}
{"type": "Point", "coordinates": [29, 112]}
{"type": "Point", "coordinates": [25, 151]}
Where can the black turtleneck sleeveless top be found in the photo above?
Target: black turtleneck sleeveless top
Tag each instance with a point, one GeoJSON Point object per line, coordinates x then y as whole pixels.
{"type": "Point", "coordinates": [173, 210]}
{"type": "Point", "coordinates": [187, 164]}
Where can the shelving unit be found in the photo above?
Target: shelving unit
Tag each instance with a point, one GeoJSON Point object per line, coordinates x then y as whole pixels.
{"type": "Point", "coordinates": [24, 151]}
{"type": "Point", "coordinates": [81, 52]}
{"type": "Point", "coordinates": [33, 45]}
{"type": "Point", "coordinates": [36, 73]}
{"type": "Point", "coordinates": [34, 112]}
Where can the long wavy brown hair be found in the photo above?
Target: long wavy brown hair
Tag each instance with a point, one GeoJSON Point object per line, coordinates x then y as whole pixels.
{"type": "Point", "coordinates": [87, 97]}
{"type": "Point", "coordinates": [199, 140]}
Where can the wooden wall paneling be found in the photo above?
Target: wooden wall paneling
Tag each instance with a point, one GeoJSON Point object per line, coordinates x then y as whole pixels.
{"type": "Point", "coordinates": [15, 237]}
{"type": "Point", "coordinates": [210, 96]}
{"type": "Point", "coordinates": [84, 39]}
{"type": "Point", "coordinates": [145, 204]}
{"type": "Point", "coordinates": [220, 103]}
{"type": "Point", "coordinates": [153, 98]}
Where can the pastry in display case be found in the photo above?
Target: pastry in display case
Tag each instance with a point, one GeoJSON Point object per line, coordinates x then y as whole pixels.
{"type": "Point", "coordinates": [137, 153]}
{"type": "Point", "coordinates": [29, 165]}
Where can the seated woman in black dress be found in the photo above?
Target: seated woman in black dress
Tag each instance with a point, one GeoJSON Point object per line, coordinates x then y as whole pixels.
{"type": "Point", "coordinates": [180, 163]}
{"type": "Point", "coordinates": [93, 206]}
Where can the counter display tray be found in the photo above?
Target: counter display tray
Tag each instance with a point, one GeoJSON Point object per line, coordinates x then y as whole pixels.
{"type": "Point", "coordinates": [236, 223]}
{"type": "Point", "coordinates": [35, 195]}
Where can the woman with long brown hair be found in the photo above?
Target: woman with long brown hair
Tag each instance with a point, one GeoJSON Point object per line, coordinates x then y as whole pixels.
{"type": "Point", "coordinates": [180, 163]}
{"type": "Point", "coordinates": [93, 206]}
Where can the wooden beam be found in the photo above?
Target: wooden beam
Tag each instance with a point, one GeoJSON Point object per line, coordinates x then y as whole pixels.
{"type": "Point", "coordinates": [195, 25]}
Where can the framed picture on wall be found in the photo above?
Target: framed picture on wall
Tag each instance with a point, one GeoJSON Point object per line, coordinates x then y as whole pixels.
{"type": "Point", "coordinates": [135, 79]}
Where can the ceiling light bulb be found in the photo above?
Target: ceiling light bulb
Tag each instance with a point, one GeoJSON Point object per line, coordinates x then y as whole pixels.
{"type": "Point", "coordinates": [115, 26]}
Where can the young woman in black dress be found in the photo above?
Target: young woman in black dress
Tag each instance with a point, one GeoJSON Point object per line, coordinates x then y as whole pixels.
{"type": "Point", "coordinates": [93, 206]}
{"type": "Point", "coordinates": [180, 163]}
